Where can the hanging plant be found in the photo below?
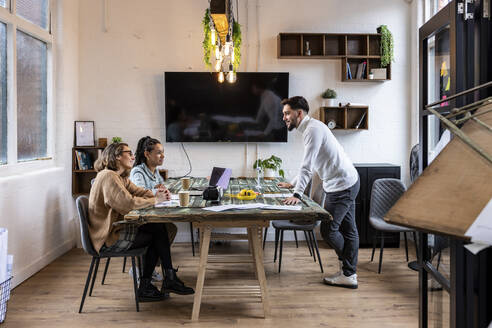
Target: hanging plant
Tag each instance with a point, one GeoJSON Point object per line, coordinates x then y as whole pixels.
{"type": "Point", "coordinates": [237, 39]}
{"type": "Point", "coordinates": [387, 55]}
{"type": "Point", "coordinates": [208, 47]}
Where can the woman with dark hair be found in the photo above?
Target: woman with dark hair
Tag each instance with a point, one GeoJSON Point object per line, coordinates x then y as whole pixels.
{"type": "Point", "coordinates": [148, 156]}
{"type": "Point", "coordinates": [111, 197]}
{"type": "Point", "coordinates": [144, 174]}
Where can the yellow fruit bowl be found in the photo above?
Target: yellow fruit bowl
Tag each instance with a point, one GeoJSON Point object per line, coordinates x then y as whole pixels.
{"type": "Point", "coordinates": [246, 194]}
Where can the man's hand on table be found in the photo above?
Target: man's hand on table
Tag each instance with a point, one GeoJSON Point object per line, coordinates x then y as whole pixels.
{"type": "Point", "coordinates": [291, 201]}
{"type": "Point", "coordinates": [285, 185]}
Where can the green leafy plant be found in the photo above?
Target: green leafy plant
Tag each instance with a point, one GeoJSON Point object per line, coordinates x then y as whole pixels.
{"type": "Point", "coordinates": [116, 140]}
{"type": "Point", "coordinates": [329, 94]}
{"type": "Point", "coordinates": [273, 163]}
{"type": "Point", "coordinates": [387, 55]}
{"type": "Point", "coordinates": [208, 47]}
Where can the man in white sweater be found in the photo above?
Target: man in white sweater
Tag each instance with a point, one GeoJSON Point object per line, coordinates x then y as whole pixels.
{"type": "Point", "coordinates": [325, 156]}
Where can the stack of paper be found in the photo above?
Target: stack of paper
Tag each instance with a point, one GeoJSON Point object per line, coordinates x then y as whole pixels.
{"type": "Point", "coordinates": [221, 208]}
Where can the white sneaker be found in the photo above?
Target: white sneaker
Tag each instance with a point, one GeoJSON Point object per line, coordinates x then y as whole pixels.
{"type": "Point", "coordinates": [342, 281]}
{"type": "Point", "coordinates": [340, 271]}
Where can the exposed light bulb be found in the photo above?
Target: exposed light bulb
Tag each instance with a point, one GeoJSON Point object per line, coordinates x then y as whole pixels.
{"type": "Point", "coordinates": [217, 53]}
{"type": "Point", "coordinates": [221, 77]}
{"type": "Point", "coordinates": [218, 65]}
{"type": "Point", "coordinates": [212, 37]}
{"type": "Point", "coordinates": [231, 77]}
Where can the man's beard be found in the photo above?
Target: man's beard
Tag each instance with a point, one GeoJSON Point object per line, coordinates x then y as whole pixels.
{"type": "Point", "coordinates": [291, 127]}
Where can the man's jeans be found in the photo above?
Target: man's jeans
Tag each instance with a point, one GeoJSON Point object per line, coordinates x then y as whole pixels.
{"type": "Point", "coordinates": [343, 236]}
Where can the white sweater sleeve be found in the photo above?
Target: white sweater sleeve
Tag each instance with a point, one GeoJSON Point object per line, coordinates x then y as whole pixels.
{"type": "Point", "coordinates": [312, 144]}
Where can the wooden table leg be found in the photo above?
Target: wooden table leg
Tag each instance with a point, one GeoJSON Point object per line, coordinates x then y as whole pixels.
{"type": "Point", "coordinates": [251, 232]}
{"type": "Point", "coordinates": [260, 270]}
{"type": "Point", "coordinates": [204, 245]}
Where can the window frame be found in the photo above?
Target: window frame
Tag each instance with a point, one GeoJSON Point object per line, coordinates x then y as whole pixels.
{"type": "Point", "coordinates": [14, 22]}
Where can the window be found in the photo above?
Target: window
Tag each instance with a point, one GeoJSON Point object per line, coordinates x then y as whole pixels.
{"type": "Point", "coordinates": [3, 93]}
{"type": "Point", "coordinates": [431, 7]}
{"type": "Point", "coordinates": [25, 55]}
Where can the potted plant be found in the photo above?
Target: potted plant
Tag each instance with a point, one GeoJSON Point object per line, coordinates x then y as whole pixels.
{"type": "Point", "coordinates": [270, 166]}
{"type": "Point", "coordinates": [116, 140]}
{"type": "Point", "coordinates": [329, 96]}
{"type": "Point", "coordinates": [387, 55]}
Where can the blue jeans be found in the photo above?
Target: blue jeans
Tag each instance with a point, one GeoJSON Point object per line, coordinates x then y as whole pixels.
{"type": "Point", "coordinates": [343, 236]}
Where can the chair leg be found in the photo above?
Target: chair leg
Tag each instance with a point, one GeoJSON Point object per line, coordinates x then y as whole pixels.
{"type": "Point", "coordinates": [312, 246]}
{"type": "Point", "coordinates": [374, 241]}
{"type": "Point", "coordinates": [277, 235]}
{"type": "Point", "coordinates": [381, 252]}
{"type": "Point", "coordinates": [308, 244]}
{"type": "Point", "coordinates": [295, 236]}
{"type": "Point", "coordinates": [124, 264]}
{"type": "Point", "coordinates": [416, 244]}
{"type": "Point", "coordinates": [317, 250]}
{"type": "Point", "coordinates": [264, 237]}
{"type": "Point", "coordinates": [406, 245]}
{"type": "Point", "coordinates": [105, 271]}
{"type": "Point", "coordinates": [192, 239]}
{"type": "Point", "coordinates": [438, 260]}
{"type": "Point", "coordinates": [135, 289]}
{"type": "Point", "coordinates": [139, 266]}
{"type": "Point", "coordinates": [95, 275]}
{"type": "Point", "coordinates": [280, 254]}
{"type": "Point", "coordinates": [87, 284]}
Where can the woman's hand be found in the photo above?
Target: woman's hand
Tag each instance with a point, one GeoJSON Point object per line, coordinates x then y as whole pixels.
{"type": "Point", "coordinates": [285, 185]}
{"type": "Point", "coordinates": [162, 196]}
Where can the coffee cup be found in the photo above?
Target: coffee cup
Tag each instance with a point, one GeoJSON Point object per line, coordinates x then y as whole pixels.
{"type": "Point", "coordinates": [185, 183]}
{"type": "Point", "coordinates": [184, 198]}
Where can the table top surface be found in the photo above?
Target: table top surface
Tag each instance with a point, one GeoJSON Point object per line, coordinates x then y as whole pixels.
{"type": "Point", "coordinates": [194, 212]}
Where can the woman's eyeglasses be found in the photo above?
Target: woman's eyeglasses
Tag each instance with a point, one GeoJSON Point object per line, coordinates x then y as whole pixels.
{"type": "Point", "coordinates": [129, 152]}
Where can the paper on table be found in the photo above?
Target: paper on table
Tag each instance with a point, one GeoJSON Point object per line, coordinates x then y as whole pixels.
{"type": "Point", "coordinates": [221, 208]}
{"type": "Point", "coordinates": [481, 229]}
{"type": "Point", "coordinates": [277, 195]}
{"type": "Point", "coordinates": [168, 203]}
{"type": "Point", "coordinates": [174, 197]}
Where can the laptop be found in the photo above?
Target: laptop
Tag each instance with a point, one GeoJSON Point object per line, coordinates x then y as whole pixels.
{"type": "Point", "coordinates": [220, 177]}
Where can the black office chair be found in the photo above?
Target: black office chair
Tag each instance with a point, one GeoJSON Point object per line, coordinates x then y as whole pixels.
{"type": "Point", "coordinates": [318, 195]}
{"type": "Point", "coordinates": [82, 204]}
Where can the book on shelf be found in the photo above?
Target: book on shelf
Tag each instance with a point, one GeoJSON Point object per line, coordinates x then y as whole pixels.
{"type": "Point", "coordinates": [361, 68]}
{"type": "Point", "coordinates": [84, 161]}
{"type": "Point", "coordinates": [358, 124]}
{"type": "Point", "coordinates": [349, 74]}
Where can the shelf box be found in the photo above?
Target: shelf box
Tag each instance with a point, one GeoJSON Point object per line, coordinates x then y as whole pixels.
{"type": "Point", "coordinates": [374, 45]}
{"type": "Point", "coordinates": [315, 44]}
{"type": "Point", "coordinates": [290, 45]}
{"type": "Point", "coordinates": [346, 117]}
{"type": "Point", "coordinates": [334, 45]}
{"type": "Point", "coordinates": [356, 45]}
{"type": "Point", "coordinates": [357, 118]}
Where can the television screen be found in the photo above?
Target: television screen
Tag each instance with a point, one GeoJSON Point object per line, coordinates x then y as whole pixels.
{"type": "Point", "coordinates": [200, 109]}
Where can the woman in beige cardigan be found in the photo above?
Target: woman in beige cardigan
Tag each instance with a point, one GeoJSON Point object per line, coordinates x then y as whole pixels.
{"type": "Point", "coordinates": [112, 196]}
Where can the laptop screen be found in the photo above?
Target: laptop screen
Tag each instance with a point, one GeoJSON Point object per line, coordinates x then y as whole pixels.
{"type": "Point", "coordinates": [220, 177]}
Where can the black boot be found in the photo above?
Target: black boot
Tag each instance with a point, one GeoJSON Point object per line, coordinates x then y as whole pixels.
{"type": "Point", "coordinates": [173, 284]}
{"type": "Point", "coordinates": [149, 293]}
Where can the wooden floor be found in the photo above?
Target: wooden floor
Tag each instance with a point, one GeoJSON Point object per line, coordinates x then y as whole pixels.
{"type": "Point", "coordinates": [298, 298]}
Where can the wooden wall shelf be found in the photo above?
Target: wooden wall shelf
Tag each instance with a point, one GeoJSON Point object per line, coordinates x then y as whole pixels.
{"type": "Point", "coordinates": [81, 178]}
{"type": "Point", "coordinates": [352, 49]}
{"type": "Point", "coordinates": [346, 117]}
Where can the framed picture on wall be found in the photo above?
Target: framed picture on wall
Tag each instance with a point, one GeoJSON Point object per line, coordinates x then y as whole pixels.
{"type": "Point", "coordinates": [84, 133]}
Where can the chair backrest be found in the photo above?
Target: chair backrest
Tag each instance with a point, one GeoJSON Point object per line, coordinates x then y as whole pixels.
{"type": "Point", "coordinates": [414, 163]}
{"type": "Point", "coordinates": [82, 204]}
{"type": "Point", "coordinates": [385, 193]}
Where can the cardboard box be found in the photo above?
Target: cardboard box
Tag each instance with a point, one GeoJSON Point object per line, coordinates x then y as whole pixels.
{"type": "Point", "coordinates": [379, 73]}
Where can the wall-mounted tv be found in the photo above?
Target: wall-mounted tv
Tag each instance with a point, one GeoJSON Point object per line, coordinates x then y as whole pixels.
{"type": "Point", "coordinates": [200, 109]}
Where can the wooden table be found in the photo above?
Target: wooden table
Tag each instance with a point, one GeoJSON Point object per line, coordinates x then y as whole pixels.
{"type": "Point", "coordinates": [254, 220]}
